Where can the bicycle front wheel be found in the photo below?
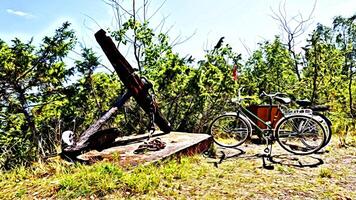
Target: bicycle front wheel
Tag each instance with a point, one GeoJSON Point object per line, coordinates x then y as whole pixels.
{"type": "Point", "coordinates": [230, 130]}
{"type": "Point", "coordinates": [300, 134]}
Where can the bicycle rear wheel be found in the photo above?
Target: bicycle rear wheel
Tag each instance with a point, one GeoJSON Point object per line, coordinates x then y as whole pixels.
{"type": "Point", "coordinates": [300, 134]}
{"type": "Point", "coordinates": [327, 126]}
{"type": "Point", "coordinates": [230, 130]}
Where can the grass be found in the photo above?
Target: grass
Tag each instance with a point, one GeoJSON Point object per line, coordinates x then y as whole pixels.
{"type": "Point", "coordinates": [188, 178]}
{"type": "Point", "coordinates": [62, 180]}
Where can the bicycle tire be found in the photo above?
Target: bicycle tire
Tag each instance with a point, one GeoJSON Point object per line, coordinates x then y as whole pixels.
{"type": "Point", "coordinates": [300, 134]}
{"type": "Point", "coordinates": [230, 130]}
{"type": "Point", "coordinates": [327, 125]}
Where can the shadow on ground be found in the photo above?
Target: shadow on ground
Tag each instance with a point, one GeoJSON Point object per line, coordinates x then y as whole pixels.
{"type": "Point", "coordinates": [278, 157]}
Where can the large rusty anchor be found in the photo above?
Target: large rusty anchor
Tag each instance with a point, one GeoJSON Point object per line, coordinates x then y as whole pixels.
{"type": "Point", "coordinates": [136, 87]}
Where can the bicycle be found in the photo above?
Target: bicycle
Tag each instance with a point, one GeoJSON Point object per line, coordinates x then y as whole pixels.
{"type": "Point", "coordinates": [318, 112]}
{"type": "Point", "coordinates": [300, 134]}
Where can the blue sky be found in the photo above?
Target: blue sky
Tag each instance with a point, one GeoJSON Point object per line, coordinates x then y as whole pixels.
{"type": "Point", "coordinates": [240, 21]}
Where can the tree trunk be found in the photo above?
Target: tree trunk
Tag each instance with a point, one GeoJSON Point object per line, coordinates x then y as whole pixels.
{"type": "Point", "coordinates": [294, 55]}
{"type": "Point", "coordinates": [315, 77]}
{"type": "Point", "coordinates": [31, 124]}
{"type": "Point", "coordinates": [350, 91]}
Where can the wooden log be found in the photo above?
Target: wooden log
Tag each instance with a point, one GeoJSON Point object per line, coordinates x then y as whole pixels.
{"type": "Point", "coordinates": [131, 80]}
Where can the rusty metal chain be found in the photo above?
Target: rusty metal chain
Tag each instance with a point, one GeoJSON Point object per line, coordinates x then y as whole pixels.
{"type": "Point", "coordinates": [153, 145]}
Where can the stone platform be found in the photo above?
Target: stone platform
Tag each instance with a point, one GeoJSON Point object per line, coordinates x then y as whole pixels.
{"type": "Point", "coordinates": [177, 144]}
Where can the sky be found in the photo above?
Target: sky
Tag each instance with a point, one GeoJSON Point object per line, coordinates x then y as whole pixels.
{"type": "Point", "coordinates": [243, 23]}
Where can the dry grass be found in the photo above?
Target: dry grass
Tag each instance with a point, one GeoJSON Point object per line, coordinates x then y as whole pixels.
{"type": "Point", "coordinates": [323, 176]}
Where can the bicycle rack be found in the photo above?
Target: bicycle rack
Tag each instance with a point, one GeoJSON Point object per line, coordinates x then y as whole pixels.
{"type": "Point", "coordinates": [137, 87]}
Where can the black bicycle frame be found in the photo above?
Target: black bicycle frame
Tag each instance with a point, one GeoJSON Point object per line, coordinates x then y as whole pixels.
{"type": "Point", "coordinates": [245, 112]}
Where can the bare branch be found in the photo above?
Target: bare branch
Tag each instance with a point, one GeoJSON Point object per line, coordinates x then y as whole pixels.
{"type": "Point", "coordinates": [246, 47]}
{"type": "Point", "coordinates": [280, 19]}
{"type": "Point", "coordinates": [93, 20]}
{"type": "Point", "coordinates": [117, 17]}
{"type": "Point", "coordinates": [154, 13]}
{"type": "Point", "coordinates": [106, 67]}
{"type": "Point", "coordinates": [87, 27]}
{"type": "Point", "coordinates": [118, 5]}
{"type": "Point", "coordinates": [169, 29]}
{"type": "Point", "coordinates": [284, 8]}
{"type": "Point", "coordinates": [294, 27]}
{"type": "Point", "coordinates": [135, 45]}
{"type": "Point", "coordinates": [178, 41]}
{"type": "Point", "coordinates": [161, 24]}
{"type": "Point", "coordinates": [144, 9]}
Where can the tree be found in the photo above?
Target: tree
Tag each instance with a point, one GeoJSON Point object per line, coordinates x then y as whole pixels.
{"type": "Point", "coordinates": [270, 69]}
{"type": "Point", "coordinates": [216, 85]}
{"type": "Point", "coordinates": [346, 40]}
{"type": "Point", "coordinates": [30, 77]}
{"type": "Point", "coordinates": [323, 68]}
{"type": "Point", "coordinates": [293, 27]}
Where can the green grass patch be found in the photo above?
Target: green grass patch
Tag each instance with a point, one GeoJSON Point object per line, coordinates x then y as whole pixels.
{"type": "Point", "coordinates": [60, 180]}
{"type": "Point", "coordinates": [325, 173]}
{"type": "Point", "coordinates": [99, 179]}
{"type": "Point", "coordinates": [187, 178]}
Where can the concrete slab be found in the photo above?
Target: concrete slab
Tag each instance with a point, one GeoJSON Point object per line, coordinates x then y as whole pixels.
{"type": "Point", "coordinates": [177, 144]}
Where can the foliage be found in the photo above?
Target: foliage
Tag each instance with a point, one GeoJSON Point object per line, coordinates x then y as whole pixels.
{"type": "Point", "coordinates": [41, 95]}
{"type": "Point", "coordinates": [270, 69]}
{"type": "Point", "coordinates": [188, 96]}
{"type": "Point", "coordinates": [103, 178]}
{"type": "Point", "coordinates": [345, 39]}
{"type": "Point", "coordinates": [91, 95]}
{"type": "Point", "coordinates": [42, 100]}
{"type": "Point", "coordinates": [30, 77]}
{"type": "Point", "coordinates": [188, 177]}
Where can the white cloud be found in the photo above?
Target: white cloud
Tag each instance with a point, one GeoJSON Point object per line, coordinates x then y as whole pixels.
{"type": "Point", "coordinates": [20, 13]}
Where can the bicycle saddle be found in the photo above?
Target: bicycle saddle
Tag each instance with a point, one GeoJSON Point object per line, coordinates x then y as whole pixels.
{"type": "Point", "coordinates": [304, 102]}
{"type": "Point", "coordinates": [320, 108]}
{"type": "Point", "coordinates": [307, 103]}
{"type": "Point", "coordinates": [283, 100]}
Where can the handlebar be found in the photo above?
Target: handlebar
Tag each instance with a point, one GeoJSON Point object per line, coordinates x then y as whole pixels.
{"type": "Point", "coordinates": [271, 96]}
{"type": "Point", "coordinates": [278, 96]}
{"type": "Point", "coordinates": [239, 98]}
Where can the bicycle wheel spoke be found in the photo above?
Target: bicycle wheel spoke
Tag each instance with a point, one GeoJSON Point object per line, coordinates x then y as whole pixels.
{"type": "Point", "coordinates": [229, 130]}
{"type": "Point", "coordinates": [293, 124]}
{"type": "Point", "coordinates": [305, 126]}
{"type": "Point", "coordinates": [300, 134]}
